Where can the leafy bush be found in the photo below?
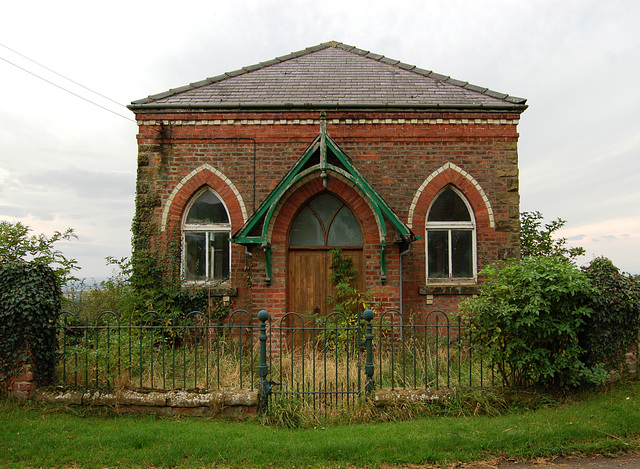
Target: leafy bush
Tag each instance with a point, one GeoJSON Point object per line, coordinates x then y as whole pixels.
{"type": "Point", "coordinates": [527, 320]}
{"type": "Point", "coordinates": [612, 329]}
{"type": "Point", "coordinates": [30, 297]}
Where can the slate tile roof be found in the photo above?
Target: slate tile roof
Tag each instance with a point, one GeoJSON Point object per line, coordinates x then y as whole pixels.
{"type": "Point", "coordinates": [331, 75]}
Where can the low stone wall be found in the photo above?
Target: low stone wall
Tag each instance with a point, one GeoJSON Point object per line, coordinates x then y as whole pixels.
{"type": "Point", "coordinates": [233, 402]}
{"type": "Point", "coordinates": [227, 401]}
{"type": "Point", "coordinates": [385, 397]}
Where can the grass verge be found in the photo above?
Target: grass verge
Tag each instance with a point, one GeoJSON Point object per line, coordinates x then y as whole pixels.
{"type": "Point", "coordinates": [45, 436]}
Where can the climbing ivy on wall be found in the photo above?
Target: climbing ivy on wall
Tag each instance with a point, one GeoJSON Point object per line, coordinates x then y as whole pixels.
{"type": "Point", "coordinates": [155, 263]}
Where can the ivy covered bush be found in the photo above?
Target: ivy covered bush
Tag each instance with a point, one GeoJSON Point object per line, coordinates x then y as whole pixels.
{"type": "Point", "coordinates": [612, 328]}
{"type": "Point", "coordinates": [30, 299]}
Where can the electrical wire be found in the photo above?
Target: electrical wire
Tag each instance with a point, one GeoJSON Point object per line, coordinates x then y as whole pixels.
{"type": "Point", "coordinates": [61, 75]}
{"type": "Point", "coordinates": [63, 88]}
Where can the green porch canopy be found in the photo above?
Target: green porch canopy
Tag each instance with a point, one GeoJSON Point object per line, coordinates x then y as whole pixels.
{"type": "Point", "coordinates": [323, 156]}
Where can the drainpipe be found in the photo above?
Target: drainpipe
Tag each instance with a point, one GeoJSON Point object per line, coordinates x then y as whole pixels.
{"type": "Point", "coordinates": [402, 253]}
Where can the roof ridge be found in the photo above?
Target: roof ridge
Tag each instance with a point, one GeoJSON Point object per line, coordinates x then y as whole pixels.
{"type": "Point", "coordinates": [337, 45]}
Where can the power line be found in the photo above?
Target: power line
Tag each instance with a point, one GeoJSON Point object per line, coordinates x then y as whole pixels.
{"type": "Point", "coordinates": [63, 88]}
{"type": "Point", "coordinates": [61, 75]}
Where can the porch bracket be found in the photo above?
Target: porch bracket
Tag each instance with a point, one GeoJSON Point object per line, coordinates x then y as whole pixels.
{"type": "Point", "coordinates": [267, 256]}
{"type": "Point", "coordinates": [383, 263]}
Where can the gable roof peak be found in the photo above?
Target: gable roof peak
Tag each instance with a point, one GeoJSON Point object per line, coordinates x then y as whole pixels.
{"type": "Point", "coordinates": [331, 75]}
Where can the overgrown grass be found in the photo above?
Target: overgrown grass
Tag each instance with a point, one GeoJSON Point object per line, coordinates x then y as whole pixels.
{"type": "Point", "coordinates": [45, 436]}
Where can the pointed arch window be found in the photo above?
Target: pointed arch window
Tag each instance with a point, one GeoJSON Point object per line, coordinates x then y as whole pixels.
{"type": "Point", "coordinates": [205, 238]}
{"type": "Point", "coordinates": [451, 237]}
{"type": "Point", "coordinates": [325, 221]}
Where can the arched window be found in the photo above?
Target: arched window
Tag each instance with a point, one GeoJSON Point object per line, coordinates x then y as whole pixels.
{"type": "Point", "coordinates": [451, 237]}
{"type": "Point", "coordinates": [325, 221]}
{"type": "Point", "coordinates": [205, 232]}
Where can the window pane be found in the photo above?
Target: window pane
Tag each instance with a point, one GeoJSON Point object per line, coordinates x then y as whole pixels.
{"type": "Point", "coordinates": [438, 254]}
{"type": "Point", "coordinates": [219, 255]}
{"type": "Point", "coordinates": [449, 207]}
{"type": "Point", "coordinates": [207, 210]}
{"type": "Point", "coordinates": [344, 230]}
{"type": "Point", "coordinates": [195, 261]}
{"type": "Point", "coordinates": [306, 230]}
{"type": "Point", "coordinates": [326, 206]}
{"type": "Point", "coordinates": [461, 254]}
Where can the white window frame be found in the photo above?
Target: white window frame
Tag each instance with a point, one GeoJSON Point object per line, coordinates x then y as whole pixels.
{"type": "Point", "coordinates": [204, 228]}
{"type": "Point", "coordinates": [450, 226]}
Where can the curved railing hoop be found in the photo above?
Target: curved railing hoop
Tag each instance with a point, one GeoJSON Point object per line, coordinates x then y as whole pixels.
{"type": "Point", "coordinates": [195, 314]}
{"type": "Point", "coordinates": [238, 312]}
{"type": "Point", "coordinates": [152, 314]}
{"type": "Point", "coordinates": [336, 314]}
{"type": "Point", "coordinates": [393, 313]}
{"type": "Point", "coordinates": [104, 314]}
{"type": "Point", "coordinates": [298, 316]}
{"type": "Point", "coordinates": [436, 314]}
{"type": "Point", "coordinates": [65, 313]}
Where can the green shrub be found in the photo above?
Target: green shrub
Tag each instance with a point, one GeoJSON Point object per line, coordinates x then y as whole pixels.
{"type": "Point", "coordinates": [612, 329]}
{"type": "Point", "coordinates": [527, 321]}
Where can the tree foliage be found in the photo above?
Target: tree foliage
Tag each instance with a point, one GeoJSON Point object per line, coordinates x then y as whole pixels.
{"type": "Point", "coordinates": [527, 320]}
{"type": "Point", "coordinates": [16, 244]}
{"type": "Point", "coordinates": [538, 240]}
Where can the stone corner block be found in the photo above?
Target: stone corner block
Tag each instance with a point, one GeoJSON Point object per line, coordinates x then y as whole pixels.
{"type": "Point", "coordinates": [240, 397]}
{"type": "Point", "coordinates": [58, 396]}
{"type": "Point", "coordinates": [145, 399]}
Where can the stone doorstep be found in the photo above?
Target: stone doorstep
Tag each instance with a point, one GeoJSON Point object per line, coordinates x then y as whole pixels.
{"type": "Point", "coordinates": [157, 399]}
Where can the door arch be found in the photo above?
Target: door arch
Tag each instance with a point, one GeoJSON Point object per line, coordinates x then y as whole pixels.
{"type": "Point", "coordinates": [323, 224]}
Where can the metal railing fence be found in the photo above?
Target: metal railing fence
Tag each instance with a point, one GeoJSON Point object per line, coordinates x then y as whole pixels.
{"type": "Point", "coordinates": [325, 361]}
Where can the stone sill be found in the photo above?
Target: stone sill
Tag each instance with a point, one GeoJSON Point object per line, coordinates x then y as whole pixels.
{"type": "Point", "coordinates": [217, 290]}
{"type": "Point", "coordinates": [453, 289]}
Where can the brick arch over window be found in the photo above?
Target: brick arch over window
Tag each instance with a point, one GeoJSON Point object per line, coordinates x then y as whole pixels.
{"type": "Point", "coordinates": [205, 175]}
{"type": "Point", "coordinates": [464, 182]}
{"type": "Point", "coordinates": [301, 194]}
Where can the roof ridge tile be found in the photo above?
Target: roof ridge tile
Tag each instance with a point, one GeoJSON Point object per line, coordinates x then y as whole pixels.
{"type": "Point", "coordinates": [235, 73]}
{"type": "Point", "coordinates": [405, 66]}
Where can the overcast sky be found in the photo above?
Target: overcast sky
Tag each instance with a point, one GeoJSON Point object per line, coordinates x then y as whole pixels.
{"type": "Point", "coordinates": [65, 162]}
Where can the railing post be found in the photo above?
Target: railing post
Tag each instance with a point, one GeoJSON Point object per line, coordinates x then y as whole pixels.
{"type": "Point", "coordinates": [264, 388]}
{"type": "Point", "coordinates": [368, 340]}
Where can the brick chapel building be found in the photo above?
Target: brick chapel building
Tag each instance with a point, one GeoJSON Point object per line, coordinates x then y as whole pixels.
{"type": "Point", "coordinates": [255, 175]}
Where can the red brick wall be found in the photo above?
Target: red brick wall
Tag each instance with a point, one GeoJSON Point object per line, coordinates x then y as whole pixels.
{"type": "Point", "coordinates": [395, 152]}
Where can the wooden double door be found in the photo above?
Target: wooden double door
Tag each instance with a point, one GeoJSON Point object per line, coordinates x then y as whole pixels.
{"type": "Point", "coordinates": [309, 279]}
{"type": "Point", "coordinates": [325, 223]}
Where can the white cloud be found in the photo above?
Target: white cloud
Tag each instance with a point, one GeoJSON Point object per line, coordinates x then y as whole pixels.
{"type": "Point", "coordinates": [65, 162]}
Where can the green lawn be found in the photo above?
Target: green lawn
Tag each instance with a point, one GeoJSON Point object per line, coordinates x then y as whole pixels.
{"type": "Point", "coordinates": [45, 436]}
